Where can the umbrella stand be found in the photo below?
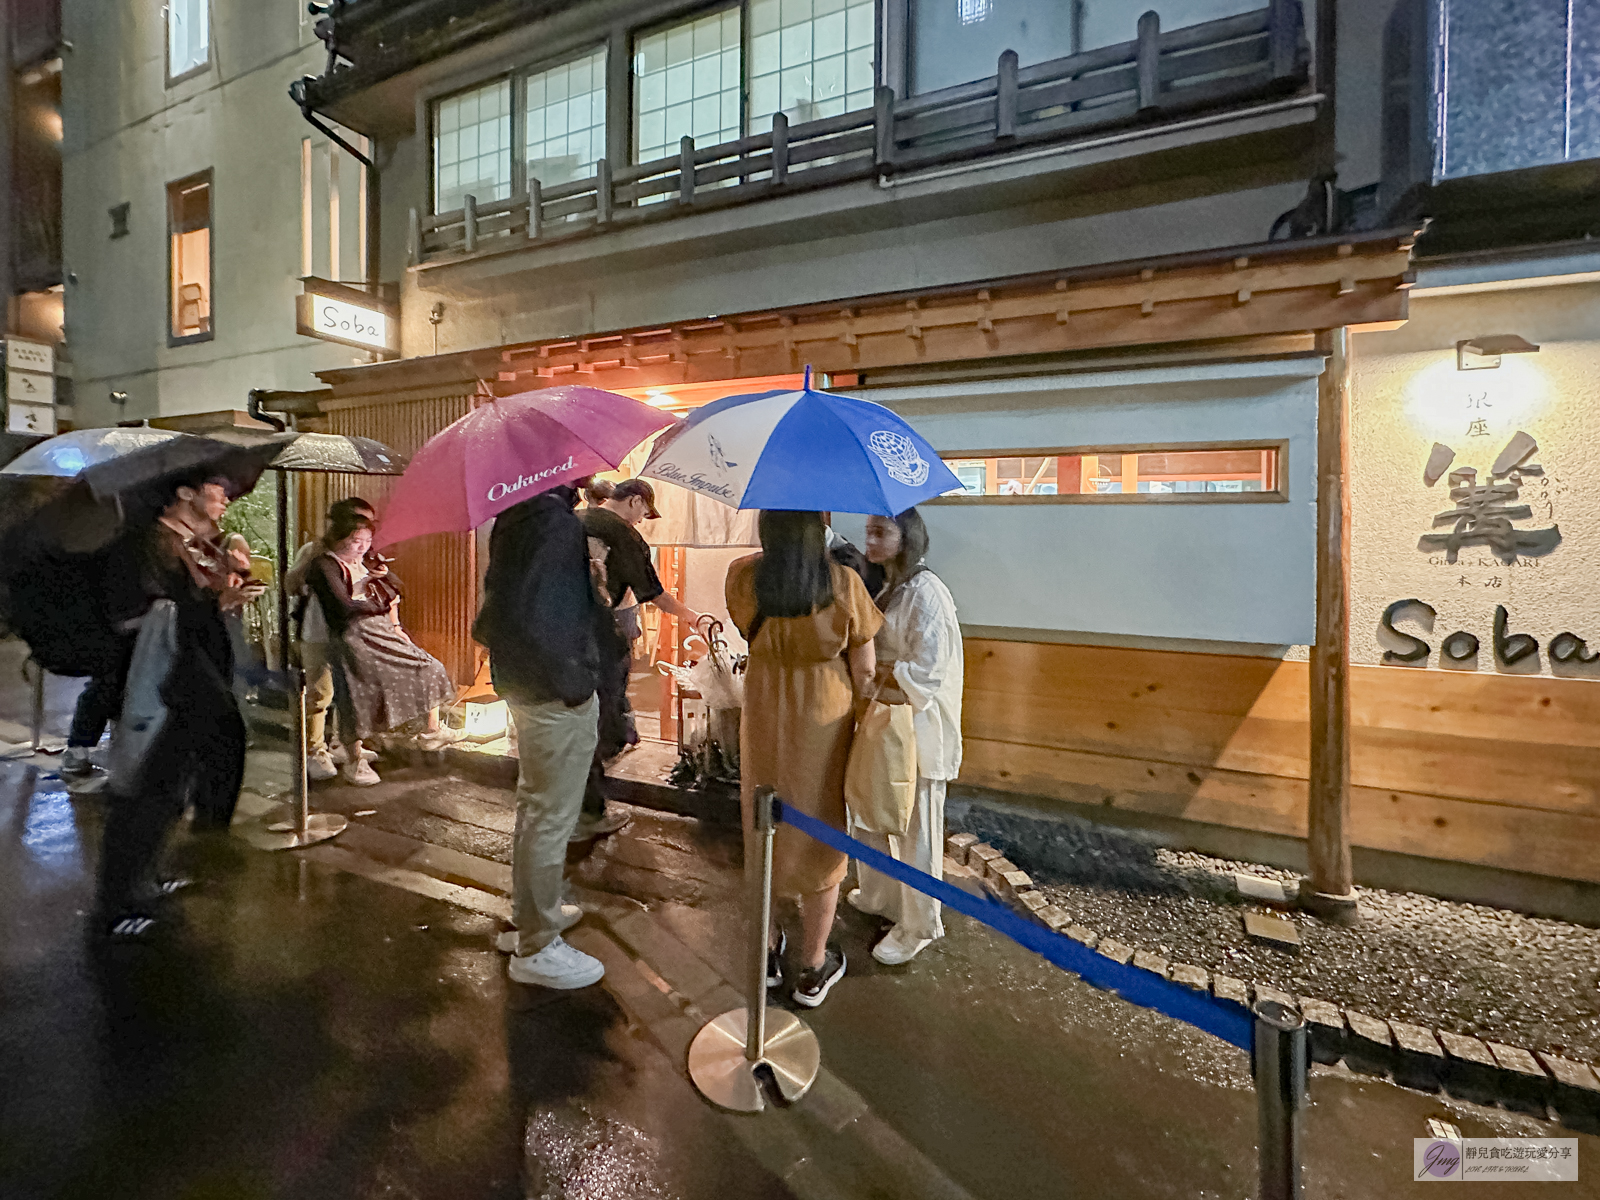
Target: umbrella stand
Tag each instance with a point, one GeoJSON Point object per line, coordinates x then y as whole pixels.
{"type": "Point", "coordinates": [304, 827]}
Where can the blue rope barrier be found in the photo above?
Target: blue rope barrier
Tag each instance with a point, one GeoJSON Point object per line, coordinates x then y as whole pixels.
{"type": "Point", "coordinates": [1221, 1018]}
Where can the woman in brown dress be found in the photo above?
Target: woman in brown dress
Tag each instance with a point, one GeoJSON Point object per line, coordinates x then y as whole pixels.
{"type": "Point", "coordinates": [381, 678]}
{"type": "Point", "coordinates": [805, 617]}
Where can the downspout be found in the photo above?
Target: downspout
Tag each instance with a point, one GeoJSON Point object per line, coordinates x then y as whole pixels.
{"type": "Point", "coordinates": [298, 93]}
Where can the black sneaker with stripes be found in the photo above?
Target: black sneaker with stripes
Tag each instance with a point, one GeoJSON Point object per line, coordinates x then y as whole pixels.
{"type": "Point", "coordinates": [814, 983]}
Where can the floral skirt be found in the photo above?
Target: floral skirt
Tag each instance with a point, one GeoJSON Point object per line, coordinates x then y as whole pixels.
{"type": "Point", "coordinates": [382, 679]}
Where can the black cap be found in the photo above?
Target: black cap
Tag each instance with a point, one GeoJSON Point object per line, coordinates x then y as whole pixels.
{"type": "Point", "coordinates": [630, 488]}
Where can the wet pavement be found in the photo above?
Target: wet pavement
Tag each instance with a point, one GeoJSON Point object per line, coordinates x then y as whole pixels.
{"type": "Point", "coordinates": [316, 1027]}
{"type": "Point", "coordinates": [1488, 972]}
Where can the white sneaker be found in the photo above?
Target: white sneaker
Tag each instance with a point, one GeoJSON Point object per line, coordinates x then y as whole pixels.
{"type": "Point", "coordinates": [360, 775]}
{"type": "Point", "coordinates": [558, 965]}
{"type": "Point", "coordinates": [899, 947]}
{"type": "Point", "coordinates": [319, 766]}
{"type": "Point", "coordinates": [506, 942]}
{"type": "Point", "coordinates": [340, 757]}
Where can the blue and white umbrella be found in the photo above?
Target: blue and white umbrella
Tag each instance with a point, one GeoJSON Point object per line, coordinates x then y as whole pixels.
{"type": "Point", "coordinates": [802, 450]}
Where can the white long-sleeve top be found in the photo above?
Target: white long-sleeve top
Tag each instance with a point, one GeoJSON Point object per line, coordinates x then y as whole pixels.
{"type": "Point", "coordinates": [922, 637]}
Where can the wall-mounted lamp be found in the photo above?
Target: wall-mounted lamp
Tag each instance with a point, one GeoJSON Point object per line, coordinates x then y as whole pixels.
{"type": "Point", "coordinates": [1481, 353]}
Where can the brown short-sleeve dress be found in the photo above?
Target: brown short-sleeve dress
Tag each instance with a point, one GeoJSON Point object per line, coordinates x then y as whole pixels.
{"type": "Point", "coordinates": [799, 716]}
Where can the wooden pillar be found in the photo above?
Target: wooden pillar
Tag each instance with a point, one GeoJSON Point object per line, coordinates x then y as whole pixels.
{"type": "Point", "coordinates": [1329, 891]}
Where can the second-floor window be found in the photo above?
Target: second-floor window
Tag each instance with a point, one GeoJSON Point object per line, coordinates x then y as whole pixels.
{"type": "Point", "coordinates": [188, 37]}
{"type": "Point", "coordinates": [547, 124]}
{"type": "Point", "coordinates": [189, 257]}
{"type": "Point", "coordinates": [687, 83]}
{"type": "Point", "coordinates": [472, 146]}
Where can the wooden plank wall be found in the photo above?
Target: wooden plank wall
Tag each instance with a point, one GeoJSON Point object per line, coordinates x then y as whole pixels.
{"type": "Point", "coordinates": [440, 572]}
{"type": "Point", "coordinates": [1477, 767]}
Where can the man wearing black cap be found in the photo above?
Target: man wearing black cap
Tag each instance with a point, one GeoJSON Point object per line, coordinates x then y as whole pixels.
{"type": "Point", "coordinates": [627, 567]}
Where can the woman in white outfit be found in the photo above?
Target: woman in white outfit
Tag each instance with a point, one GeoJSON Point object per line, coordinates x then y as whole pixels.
{"type": "Point", "coordinates": [920, 664]}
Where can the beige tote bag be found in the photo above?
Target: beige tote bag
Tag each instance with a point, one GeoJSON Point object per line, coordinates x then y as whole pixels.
{"type": "Point", "coordinates": [880, 780]}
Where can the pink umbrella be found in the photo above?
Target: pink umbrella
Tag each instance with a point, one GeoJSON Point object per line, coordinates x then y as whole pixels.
{"type": "Point", "coordinates": [510, 450]}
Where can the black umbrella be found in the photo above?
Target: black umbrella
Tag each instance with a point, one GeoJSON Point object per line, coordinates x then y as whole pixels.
{"type": "Point", "coordinates": [144, 479]}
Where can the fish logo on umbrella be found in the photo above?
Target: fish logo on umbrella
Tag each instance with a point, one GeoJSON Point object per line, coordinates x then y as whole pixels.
{"type": "Point", "coordinates": [899, 456]}
{"type": "Point", "coordinates": [718, 458]}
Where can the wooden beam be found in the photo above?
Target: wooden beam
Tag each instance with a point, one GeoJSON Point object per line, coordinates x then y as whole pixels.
{"type": "Point", "coordinates": [1329, 890]}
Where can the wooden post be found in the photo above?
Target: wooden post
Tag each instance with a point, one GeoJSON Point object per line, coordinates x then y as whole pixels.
{"type": "Point", "coordinates": [1329, 891]}
{"type": "Point", "coordinates": [469, 223]}
{"type": "Point", "coordinates": [686, 170]}
{"type": "Point", "coordinates": [780, 148]}
{"type": "Point", "coordinates": [1149, 61]}
{"type": "Point", "coordinates": [602, 191]}
{"type": "Point", "coordinates": [1005, 96]}
{"type": "Point", "coordinates": [535, 208]}
{"type": "Point", "coordinates": [883, 127]}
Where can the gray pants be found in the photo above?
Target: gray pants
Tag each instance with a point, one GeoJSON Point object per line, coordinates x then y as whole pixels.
{"type": "Point", "coordinates": [555, 745]}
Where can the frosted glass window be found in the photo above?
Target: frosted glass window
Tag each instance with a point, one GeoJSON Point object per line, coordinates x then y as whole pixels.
{"type": "Point", "coordinates": [566, 120]}
{"type": "Point", "coordinates": [472, 147]}
{"type": "Point", "coordinates": [957, 41]}
{"type": "Point", "coordinates": [809, 59]}
{"type": "Point", "coordinates": [686, 81]}
{"type": "Point", "coordinates": [188, 36]}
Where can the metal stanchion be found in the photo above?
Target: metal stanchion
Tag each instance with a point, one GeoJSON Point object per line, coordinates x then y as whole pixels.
{"type": "Point", "coordinates": [304, 827]}
{"type": "Point", "coordinates": [734, 1054]}
{"type": "Point", "coordinates": [1280, 1066]}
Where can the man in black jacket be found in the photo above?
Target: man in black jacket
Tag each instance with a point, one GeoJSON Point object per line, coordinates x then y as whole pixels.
{"type": "Point", "coordinates": [538, 621]}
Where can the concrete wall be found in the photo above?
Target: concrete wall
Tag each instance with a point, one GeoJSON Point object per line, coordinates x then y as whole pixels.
{"type": "Point", "coordinates": [1408, 395]}
{"type": "Point", "coordinates": [126, 136]}
{"type": "Point", "coordinates": [1208, 572]}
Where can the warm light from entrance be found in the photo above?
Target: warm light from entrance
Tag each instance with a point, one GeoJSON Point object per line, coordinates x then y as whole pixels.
{"type": "Point", "coordinates": [682, 397]}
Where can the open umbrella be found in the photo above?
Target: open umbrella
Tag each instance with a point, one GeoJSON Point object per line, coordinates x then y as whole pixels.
{"type": "Point", "coordinates": [509, 450]}
{"type": "Point", "coordinates": [802, 450]}
{"type": "Point", "coordinates": [67, 454]}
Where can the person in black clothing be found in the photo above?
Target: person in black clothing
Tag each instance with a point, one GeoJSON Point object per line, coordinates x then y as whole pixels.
{"type": "Point", "coordinates": [539, 617]}
{"type": "Point", "coordinates": [612, 519]}
{"type": "Point", "coordinates": [197, 750]}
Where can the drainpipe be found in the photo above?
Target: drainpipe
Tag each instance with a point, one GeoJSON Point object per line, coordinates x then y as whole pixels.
{"type": "Point", "coordinates": [253, 407]}
{"type": "Point", "coordinates": [298, 93]}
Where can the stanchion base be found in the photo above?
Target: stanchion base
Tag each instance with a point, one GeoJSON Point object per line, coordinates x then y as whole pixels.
{"type": "Point", "coordinates": [282, 836]}
{"type": "Point", "coordinates": [729, 1080]}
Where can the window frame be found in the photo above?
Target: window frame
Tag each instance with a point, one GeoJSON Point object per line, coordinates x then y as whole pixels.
{"type": "Point", "coordinates": [684, 16]}
{"type": "Point", "coordinates": [210, 332]}
{"type": "Point", "coordinates": [166, 46]}
{"type": "Point", "coordinates": [517, 77]}
{"type": "Point", "coordinates": [1277, 495]}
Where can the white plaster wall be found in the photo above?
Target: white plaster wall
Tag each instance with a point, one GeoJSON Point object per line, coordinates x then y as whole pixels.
{"type": "Point", "coordinates": [127, 136]}
{"type": "Point", "coordinates": [1407, 395]}
{"type": "Point", "coordinates": [1205, 572]}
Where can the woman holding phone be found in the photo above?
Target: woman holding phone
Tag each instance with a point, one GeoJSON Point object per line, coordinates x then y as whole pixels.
{"type": "Point", "coordinates": [919, 662]}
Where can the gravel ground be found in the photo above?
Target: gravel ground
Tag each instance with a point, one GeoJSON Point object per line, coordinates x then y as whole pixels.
{"type": "Point", "coordinates": [1526, 981]}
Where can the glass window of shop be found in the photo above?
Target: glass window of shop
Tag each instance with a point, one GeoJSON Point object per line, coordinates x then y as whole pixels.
{"type": "Point", "coordinates": [1193, 472]}
{"type": "Point", "coordinates": [957, 41]}
{"type": "Point", "coordinates": [687, 82]}
{"type": "Point", "coordinates": [472, 146]}
{"type": "Point", "coordinates": [564, 113]}
{"type": "Point", "coordinates": [188, 37]}
{"type": "Point", "coordinates": [810, 59]}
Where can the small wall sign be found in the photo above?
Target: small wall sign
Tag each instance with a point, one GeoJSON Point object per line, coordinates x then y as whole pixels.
{"type": "Point", "coordinates": [336, 312]}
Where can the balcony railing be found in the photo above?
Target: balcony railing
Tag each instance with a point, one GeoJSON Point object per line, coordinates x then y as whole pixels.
{"type": "Point", "coordinates": [1152, 78]}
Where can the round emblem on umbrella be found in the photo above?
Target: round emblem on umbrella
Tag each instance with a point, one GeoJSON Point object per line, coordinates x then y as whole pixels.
{"type": "Point", "coordinates": [899, 456]}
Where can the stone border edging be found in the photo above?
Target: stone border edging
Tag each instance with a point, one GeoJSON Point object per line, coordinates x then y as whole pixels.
{"type": "Point", "coordinates": [1415, 1056]}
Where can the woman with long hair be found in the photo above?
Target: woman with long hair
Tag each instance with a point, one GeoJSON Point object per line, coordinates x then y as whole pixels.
{"type": "Point", "coordinates": [919, 662]}
{"type": "Point", "coordinates": [381, 678]}
{"type": "Point", "coordinates": [809, 623]}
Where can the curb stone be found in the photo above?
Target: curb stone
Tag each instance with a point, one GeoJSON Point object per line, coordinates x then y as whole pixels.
{"type": "Point", "coordinates": [1416, 1056]}
{"type": "Point", "coordinates": [1420, 1061]}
